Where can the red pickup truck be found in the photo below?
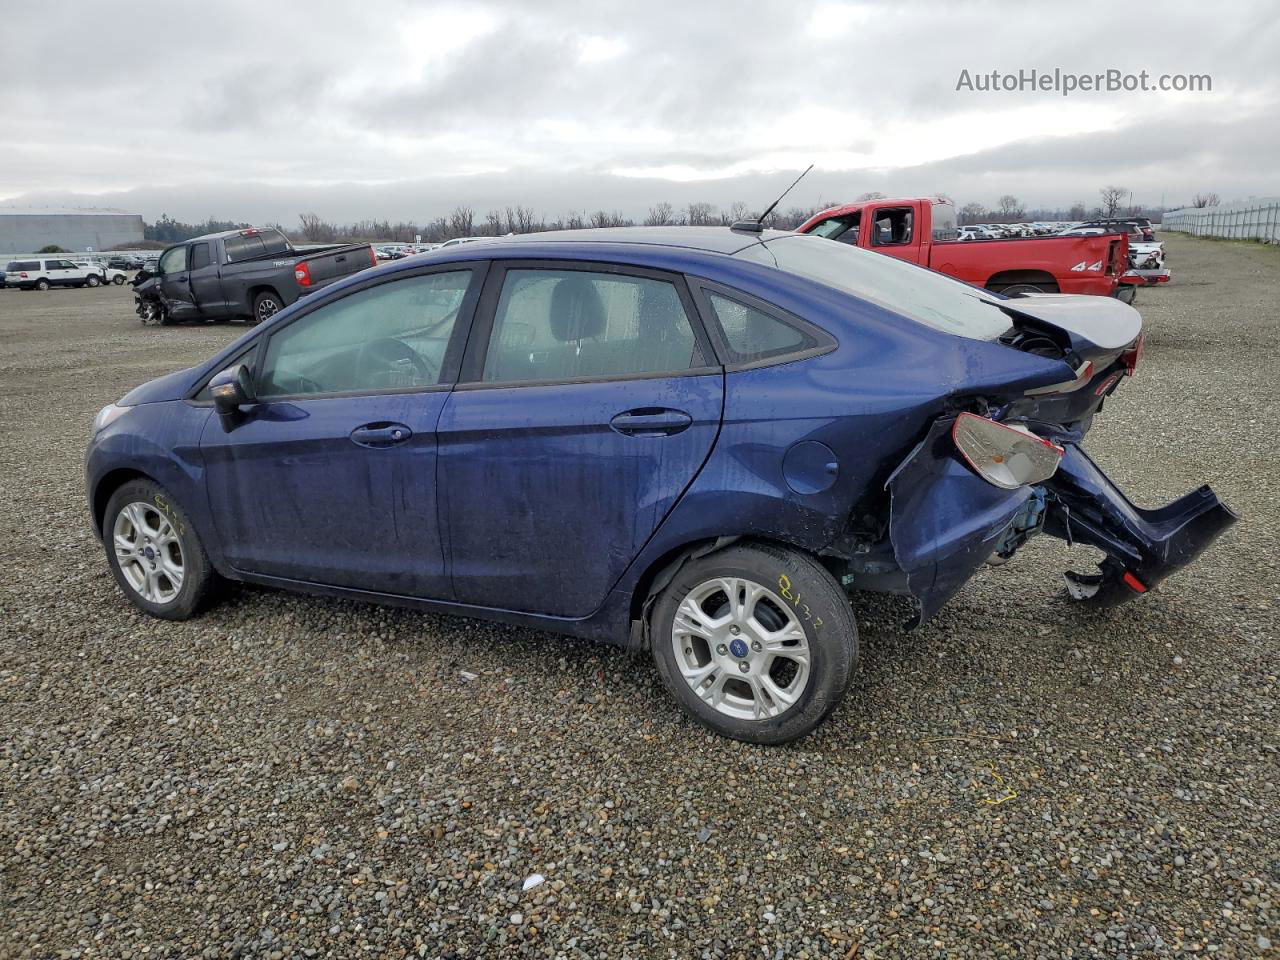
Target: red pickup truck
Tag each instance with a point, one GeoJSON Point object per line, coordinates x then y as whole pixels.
{"type": "Point", "coordinates": [923, 230]}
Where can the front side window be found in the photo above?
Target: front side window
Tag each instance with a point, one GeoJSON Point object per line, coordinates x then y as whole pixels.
{"type": "Point", "coordinates": [568, 324]}
{"type": "Point", "coordinates": [175, 261]}
{"type": "Point", "coordinates": [390, 337]}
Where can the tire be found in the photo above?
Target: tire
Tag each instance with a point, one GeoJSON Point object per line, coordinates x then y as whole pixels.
{"type": "Point", "coordinates": [780, 696]}
{"type": "Point", "coordinates": [92, 281]}
{"type": "Point", "coordinates": [143, 514]}
{"type": "Point", "coordinates": [266, 305]}
{"type": "Point", "coordinates": [118, 279]}
{"type": "Point", "coordinates": [42, 285]}
{"type": "Point", "coordinates": [1018, 289]}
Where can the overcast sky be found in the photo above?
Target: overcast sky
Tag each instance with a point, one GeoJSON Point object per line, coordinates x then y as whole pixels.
{"type": "Point", "coordinates": [259, 111]}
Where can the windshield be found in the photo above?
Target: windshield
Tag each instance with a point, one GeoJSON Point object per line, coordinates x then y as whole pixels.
{"type": "Point", "coordinates": [917, 293]}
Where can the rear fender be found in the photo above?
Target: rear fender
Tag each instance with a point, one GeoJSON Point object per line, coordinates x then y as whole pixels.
{"type": "Point", "coordinates": [944, 520]}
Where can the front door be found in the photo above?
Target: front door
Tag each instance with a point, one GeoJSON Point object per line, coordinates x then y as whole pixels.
{"type": "Point", "coordinates": [175, 284]}
{"type": "Point", "coordinates": [591, 404]}
{"type": "Point", "coordinates": [330, 477]}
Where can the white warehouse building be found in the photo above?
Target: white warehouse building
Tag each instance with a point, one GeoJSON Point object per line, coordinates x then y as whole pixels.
{"type": "Point", "coordinates": [29, 229]}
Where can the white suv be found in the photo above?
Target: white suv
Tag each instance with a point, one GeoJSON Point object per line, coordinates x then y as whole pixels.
{"type": "Point", "coordinates": [46, 273]}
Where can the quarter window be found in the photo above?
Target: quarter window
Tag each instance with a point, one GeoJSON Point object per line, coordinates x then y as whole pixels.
{"type": "Point", "coordinates": [568, 324]}
{"type": "Point", "coordinates": [753, 334]}
{"type": "Point", "coordinates": [390, 337]}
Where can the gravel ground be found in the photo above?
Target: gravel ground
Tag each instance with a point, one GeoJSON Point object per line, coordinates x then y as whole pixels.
{"type": "Point", "coordinates": [291, 777]}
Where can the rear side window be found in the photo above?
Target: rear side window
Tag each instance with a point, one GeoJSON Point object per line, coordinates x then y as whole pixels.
{"type": "Point", "coordinates": [18, 266]}
{"type": "Point", "coordinates": [944, 222]}
{"type": "Point", "coordinates": [892, 227]}
{"type": "Point", "coordinates": [243, 248]}
{"type": "Point", "coordinates": [752, 334]}
{"type": "Point", "coordinates": [568, 324]}
{"type": "Point", "coordinates": [199, 255]}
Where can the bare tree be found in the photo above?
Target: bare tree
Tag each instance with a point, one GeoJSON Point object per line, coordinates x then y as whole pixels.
{"type": "Point", "coordinates": [873, 195]}
{"type": "Point", "coordinates": [737, 211]}
{"type": "Point", "coordinates": [1205, 200]}
{"type": "Point", "coordinates": [1077, 211]}
{"type": "Point", "coordinates": [1010, 208]}
{"type": "Point", "coordinates": [701, 214]}
{"type": "Point", "coordinates": [462, 221]}
{"type": "Point", "coordinates": [973, 213]}
{"type": "Point", "coordinates": [315, 230]}
{"type": "Point", "coordinates": [660, 215]}
{"type": "Point", "coordinates": [522, 220]}
{"type": "Point", "coordinates": [1112, 197]}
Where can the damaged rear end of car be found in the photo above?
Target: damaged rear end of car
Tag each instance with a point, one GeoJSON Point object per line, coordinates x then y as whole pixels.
{"type": "Point", "coordinates": [1005, 464]}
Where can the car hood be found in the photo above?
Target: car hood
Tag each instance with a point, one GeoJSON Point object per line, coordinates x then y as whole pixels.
{"type": "Point", "coordinates": [172, 386]}
{"type": "Point", "coordinates": [1092, 324]}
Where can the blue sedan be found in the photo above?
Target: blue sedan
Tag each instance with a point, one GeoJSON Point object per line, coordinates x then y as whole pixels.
{"type": "Point", "coordinates": [688, 441]}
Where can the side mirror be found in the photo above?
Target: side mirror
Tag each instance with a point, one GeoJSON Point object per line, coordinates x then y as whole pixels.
{"type": "Point", "coordinates": [231, 389]}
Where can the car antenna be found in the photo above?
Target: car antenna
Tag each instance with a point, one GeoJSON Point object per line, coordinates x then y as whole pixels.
{"type": "Point", "coordinates": [757, 225]}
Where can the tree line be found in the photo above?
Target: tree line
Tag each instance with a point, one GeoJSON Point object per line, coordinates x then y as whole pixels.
{"type": "Point", "coordinates": [464, 221]}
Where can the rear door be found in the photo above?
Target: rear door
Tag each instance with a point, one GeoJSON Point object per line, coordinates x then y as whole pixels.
{"type": "Point", "coordinates": [894, 231]}
{"type": "Point", "coordinates": [590, 400]}
{"type": "Point", "coordinates": [175, 283]}
{"type": "Point", "coordinates": [206, 284]}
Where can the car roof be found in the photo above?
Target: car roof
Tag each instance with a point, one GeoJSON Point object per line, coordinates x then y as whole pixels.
{"type": "Point", "coordinates": [706, 239]}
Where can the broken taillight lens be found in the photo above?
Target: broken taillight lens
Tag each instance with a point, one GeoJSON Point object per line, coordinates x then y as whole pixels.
{"type": "Point", "coordinates": [1131, 356]}
{"type": "Point", "coordinates": [1009, 457]}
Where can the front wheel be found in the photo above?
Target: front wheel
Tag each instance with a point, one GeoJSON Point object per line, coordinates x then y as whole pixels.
{"type": "Point", "coordinates": [118, 279]}
{"type": "Point", "coordinates": [154, 552]}
{"type": "Point", "coordinates": [42, 285]}
{"type": "Point", "coordinates": [756, 642]}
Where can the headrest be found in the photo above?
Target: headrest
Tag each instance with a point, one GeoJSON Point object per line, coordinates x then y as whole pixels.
{"type": "Point", "coordinates": [577, 312]}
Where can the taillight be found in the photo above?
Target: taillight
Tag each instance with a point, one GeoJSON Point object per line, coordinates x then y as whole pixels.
{"type": "Point", "coordinates": [1008, 457]}
{"type": "Point", "coordinates": [1131, 356]}
{"type": "Point", "coordinates": [302, 273]}
{"type": "Point", "coordinates": [23, 274]}
{"type": "Point", "coordinates": [373, 256]}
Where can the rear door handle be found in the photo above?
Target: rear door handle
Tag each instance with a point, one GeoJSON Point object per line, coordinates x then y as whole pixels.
{"type": "Point", "coordinates": [651, 422]}
{"type": "Point", "coordinates": [381, 434]}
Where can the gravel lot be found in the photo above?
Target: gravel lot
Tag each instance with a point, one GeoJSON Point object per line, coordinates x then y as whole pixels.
{"type": "Point", "coordinates": [289, 777]}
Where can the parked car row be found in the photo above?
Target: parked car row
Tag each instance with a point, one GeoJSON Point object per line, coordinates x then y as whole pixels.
{"type": "Point", "coordinates": [44, 273]}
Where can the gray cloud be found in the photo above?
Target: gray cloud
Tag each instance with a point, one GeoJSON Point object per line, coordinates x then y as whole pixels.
{"type": "Point", "coordinates": [259, 111]}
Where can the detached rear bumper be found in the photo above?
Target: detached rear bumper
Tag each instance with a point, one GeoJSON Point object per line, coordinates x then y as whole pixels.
{"type": "Point", "coordinates": [1143, 547]}
{"type": "Point", "coordinates": [946, 521]}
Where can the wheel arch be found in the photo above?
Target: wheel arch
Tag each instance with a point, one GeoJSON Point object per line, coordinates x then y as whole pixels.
{"type": "Point", "coordinates": [1006, 278]}
{"type": "Point", "coordinates": [109, 483]}
{"type": "Point", "coordinates": [664, 568]}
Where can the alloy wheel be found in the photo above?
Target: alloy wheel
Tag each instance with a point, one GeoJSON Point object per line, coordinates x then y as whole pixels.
{"type": "Point", "coordinates": [267, 308]}
{"type": "Point", "coordinates": [740, 648]}
{"type": "Point", "coordinates": [149, 552]}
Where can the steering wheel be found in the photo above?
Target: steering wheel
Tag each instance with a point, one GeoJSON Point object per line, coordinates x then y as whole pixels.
{"type": "Point", "coordinates": [389, 350]}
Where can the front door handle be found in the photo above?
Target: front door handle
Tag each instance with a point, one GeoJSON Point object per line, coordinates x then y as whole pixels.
{"type": "Point", "coordinates": [381, 434]}
{"type": "Point", "coordinates": [651, 422]}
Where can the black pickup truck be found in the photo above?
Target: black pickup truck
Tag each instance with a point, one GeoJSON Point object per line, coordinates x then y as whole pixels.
{"type": "Point", "coordinates": [251, 273]}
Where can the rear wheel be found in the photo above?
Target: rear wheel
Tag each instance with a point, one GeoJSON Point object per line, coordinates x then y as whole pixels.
{"type": "Point", "coordinates": [756, 642]}
{"type": "Point", "coordinates": [1020, 289]}
{"type": "Point", "coordinates": [118, 279]}
{"type": "Point", "coordinates": [154, 553]}
{"type": "Point", "coordinates": [266, 305]}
